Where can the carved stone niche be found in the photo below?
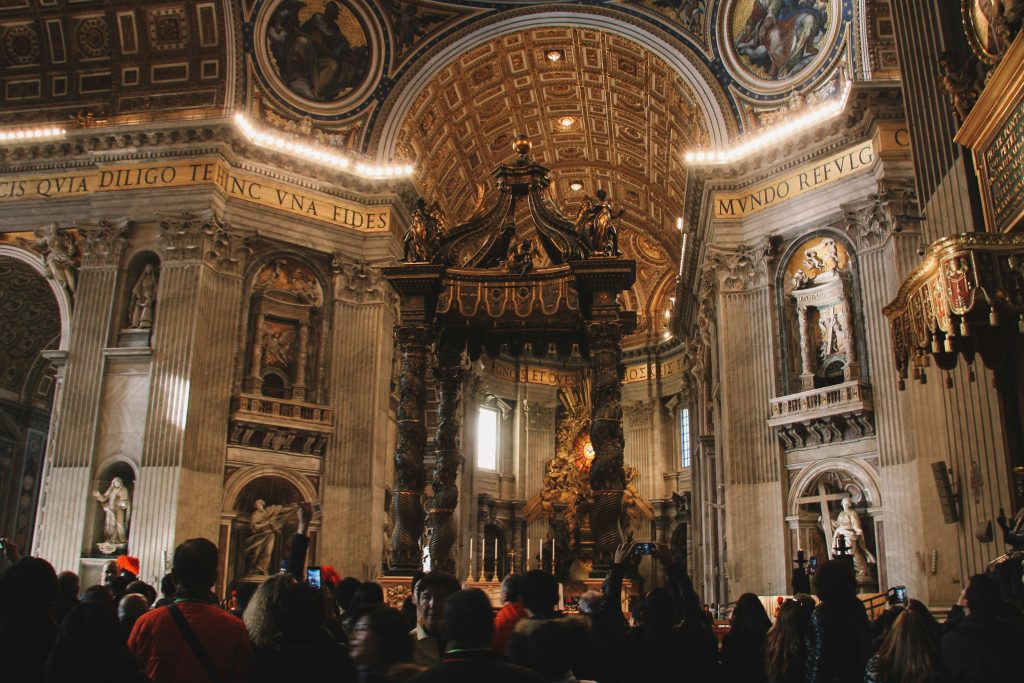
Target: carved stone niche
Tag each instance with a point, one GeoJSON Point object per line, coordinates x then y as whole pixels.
{"type": "Point", "coordinates": [278, 409]}
{"type": "Point", "coordinates": [822, 291]}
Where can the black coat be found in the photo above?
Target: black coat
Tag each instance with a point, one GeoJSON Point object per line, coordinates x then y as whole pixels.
{"type": "Point", "coordinates": [474, 666]}
{"type": "Point", "coordinates": [982, 651]}
{"type": "Point", "coordinates": [838, 643]}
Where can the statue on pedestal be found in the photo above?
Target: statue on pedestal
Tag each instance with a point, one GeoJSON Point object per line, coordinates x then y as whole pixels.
{"type": "Point", "coordinates": [143, 299]}
{"type": "Point", "coordinates": [117, 511]}
{"type": "Point", "coordinates": [594, 221]}
{"type": "Point", "coordinates": [847, 527]}
{"type": "Point", "coordinates": [265, 523]}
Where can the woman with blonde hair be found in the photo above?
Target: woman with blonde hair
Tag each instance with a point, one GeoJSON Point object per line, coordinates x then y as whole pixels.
{"type": "Point", "coordinates": [784, 651]}
{"type": "Point", "coordinates": [906, 654]}
{"type": "Point", "coordinates": [258, 617]}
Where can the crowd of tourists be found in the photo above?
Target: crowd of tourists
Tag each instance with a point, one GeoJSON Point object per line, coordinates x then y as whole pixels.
{"type": "Point", "coordinates": [288, 630]}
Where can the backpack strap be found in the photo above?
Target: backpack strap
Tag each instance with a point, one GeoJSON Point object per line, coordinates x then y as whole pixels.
{"type": "Point", "coordinates": [193, 643]}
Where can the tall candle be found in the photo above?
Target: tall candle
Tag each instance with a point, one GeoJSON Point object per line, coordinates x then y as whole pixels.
{"type": "Point", "coordinates": [552, 556]}
{"type": "Point", "coordinates": [495, 555]}
{"type": "Point", "coordinates": [471, 553]}
{"type": "Point", "coordinates": [527, 553]}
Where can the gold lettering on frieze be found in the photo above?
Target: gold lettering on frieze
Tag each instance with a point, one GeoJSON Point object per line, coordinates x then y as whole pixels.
{"type": "Point", "coordinates": [232, 182]}
{"type": "Point", "coordinates": [854, 160]}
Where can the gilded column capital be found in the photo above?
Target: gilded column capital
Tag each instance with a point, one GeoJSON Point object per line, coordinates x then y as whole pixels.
{"type": "Point", "coordinates": [357, 282]}
{"type": "Point", "coordinates": [892, 210]}
{"type": "Point", "coordinates": [184, 233]}
{"type": "Point", "coordinates": [740, 269]}
{"type": "Point", "coordinates": [103, 242]}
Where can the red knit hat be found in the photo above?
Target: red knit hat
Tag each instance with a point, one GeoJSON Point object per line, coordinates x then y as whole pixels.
{"type": "Point", "coordinates": [128, 563]}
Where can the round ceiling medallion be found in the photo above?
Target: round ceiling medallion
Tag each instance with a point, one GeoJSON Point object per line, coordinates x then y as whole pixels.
{"type": "Point", "coordinates": [321, 56]}
{"type": "Point", "coordinates": [21, 45]}
{"type": "Point", "coordinates": [770, 45]}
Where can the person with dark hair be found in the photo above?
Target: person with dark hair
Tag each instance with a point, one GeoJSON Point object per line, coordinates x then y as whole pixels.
{"type": "Point", "coordinates": [379, 643]}
{"type": "Point", "coordinates": [839, 635]}
{"type": "Point", "coordinates": [981, 647]}
{"type": "Point", "coordinates": [129, 609]}
{"type": "Point", "coordinates": [144, 589]}
{"type": "Point", "coordinates": [880, 626]}
{"type": "Point", "coordinates": [99, 593]}
{"type": "Point", "coordinates": [409, 604]}
{"type": "Point", "coordinates": [343, 591]}
{"type": "Point", "coordinates": [511, 612]}
{"type": "Point", "coordinates": [305, 651]}
{"type": "Point", "coordinates": [906, 654]}
{"type": "Point", "coordinates": [67, 595]}
{"type": "Point", "coordinates": [119, 586]}
{"type": "Point", "coordinates": [111, 570]}
{"type": "Point", "coordinates": [469, 627]}
{"type": "Point", "coordinates": [742, 654]}
{"type": "Point", "coordinates": [431, 593]}
{"type": "Point", "coordinates": [27, 629]}
{"type": "Point", "coordinates": [784, 652]}
{"type": "Point", "coordinates": [539, 594]}
{"type": "Point", "coordinates": [166, 590]}
{"type": "Point", "coordinates": [91, 635]}
{"type": "Point", "coordinates": [192, 638]}
{"type": "Point", "coordinates": [368, 594]}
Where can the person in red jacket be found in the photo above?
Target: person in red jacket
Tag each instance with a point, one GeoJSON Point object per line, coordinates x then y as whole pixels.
{"type": "Point", "coordinates": [192, 639]}
{"type": "Point", "coordinates": [509, 615]}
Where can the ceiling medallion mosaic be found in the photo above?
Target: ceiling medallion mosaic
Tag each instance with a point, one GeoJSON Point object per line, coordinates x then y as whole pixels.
{"type": "Point", "coordinates": [321, 57]}
{"type": "Point", "coordinates": [771, 45]}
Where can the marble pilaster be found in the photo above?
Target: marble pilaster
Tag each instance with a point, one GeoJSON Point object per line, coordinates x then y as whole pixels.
{"type": "Point", "coordinates": [750, 455]}
{"type": "Point", "coordinates": [60, 524]}
{"type": "Point", "coordinates": [354, 465]}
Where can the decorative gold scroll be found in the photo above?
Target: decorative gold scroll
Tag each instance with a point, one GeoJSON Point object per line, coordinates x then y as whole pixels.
{"type": "Point", "coordinates": [965, 286]}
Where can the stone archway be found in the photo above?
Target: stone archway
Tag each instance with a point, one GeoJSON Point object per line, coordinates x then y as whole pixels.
{"type": "Point", "coordinates": [815, 502]}
{"type": "Point", "coordinates": [35, 312]}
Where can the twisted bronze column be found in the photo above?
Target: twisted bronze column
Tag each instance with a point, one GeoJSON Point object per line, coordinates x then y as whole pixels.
{"type": "Point", "coordinates": [448, 458]}
{"type": "Point", "coordinates": [607, 476]}
{"type": "Point", "coordinates": [410, 475]}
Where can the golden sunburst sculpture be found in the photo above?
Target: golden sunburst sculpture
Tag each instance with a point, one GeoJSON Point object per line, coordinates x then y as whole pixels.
{"type": "Point", "coordinates": [567, 474]}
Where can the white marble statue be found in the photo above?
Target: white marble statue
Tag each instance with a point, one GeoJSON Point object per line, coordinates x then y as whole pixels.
{"type": "Point", "coordinates": [117, 510]}
{"type": "Point", "coordinates": [847, 525]}
{"type": "Point", "coordinates": [58, 251]}
{"type": "Point", "coordinates": [265, 522]}
{"type": "Point", "coordinates": [143, 299]}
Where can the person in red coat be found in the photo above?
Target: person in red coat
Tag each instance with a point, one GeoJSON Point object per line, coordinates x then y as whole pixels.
{"type": "Point", "coordinates": [509, 615]}
{"type": "Point", "coordinates": [219, 647]}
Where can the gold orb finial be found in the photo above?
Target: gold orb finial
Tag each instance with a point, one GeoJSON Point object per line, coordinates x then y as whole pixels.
{"type": "Point", "coordinates": [522, 144]}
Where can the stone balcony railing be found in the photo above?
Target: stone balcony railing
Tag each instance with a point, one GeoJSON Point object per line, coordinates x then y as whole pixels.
{"type": "Point", "coordinates": [280, 424]}
{"type": "Point", "coordinates": [841, 412]}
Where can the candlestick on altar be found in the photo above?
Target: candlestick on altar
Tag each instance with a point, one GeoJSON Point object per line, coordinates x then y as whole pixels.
{"type": "Point", "coordinates": [469, 572]}
{"type": "Point", "coordinates": [552, 557]}
{"type": "Point", "coordinates": [527, 558]}
{"type": "Point", "coordinates": [494, 576]}
{"type": "Point", "coordinates": [483, 561]}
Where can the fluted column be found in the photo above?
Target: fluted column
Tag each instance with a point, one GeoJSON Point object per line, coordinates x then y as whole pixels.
{"type": "Point", "coordinates": [179, 490]}
{"type": "Point", "coordinates": [354, 465]}
{"type": "Point", "coordinates": [882, 264]}
{"type": "Point", "coordinates": [751, 456]}
{"type": "Point", "coordinates": [60, 523]}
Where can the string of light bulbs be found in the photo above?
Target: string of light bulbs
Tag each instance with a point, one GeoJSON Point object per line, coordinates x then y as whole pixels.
{"type": "Point", "coordinates": [26, 134]}
{"type": "Point", "coordinates": [319, 154]}
{"type": "Point", "coordinates": [771, 136]}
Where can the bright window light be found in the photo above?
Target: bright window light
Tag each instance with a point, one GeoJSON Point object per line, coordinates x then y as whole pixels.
{"type": "Point", "coordinates": [684, 437]}
{"type": "Point", "coordinates": [487, 439]}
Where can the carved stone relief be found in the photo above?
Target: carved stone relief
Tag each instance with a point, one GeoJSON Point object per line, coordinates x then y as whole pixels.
{"type": "Point", "coordinates": [742, 268]}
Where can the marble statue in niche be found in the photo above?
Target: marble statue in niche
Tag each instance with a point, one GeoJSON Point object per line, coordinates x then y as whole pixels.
{"type": "Point", "coordinates": [319, 55]}
{"type": "Point", "coordinates": [117, 512]}
{"type": "Point", "coordinates": [143, 299]}
{"type": "Point", "coordinates": [847, 525]}
{"type": "Point", "coordinates": [265, 523]}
